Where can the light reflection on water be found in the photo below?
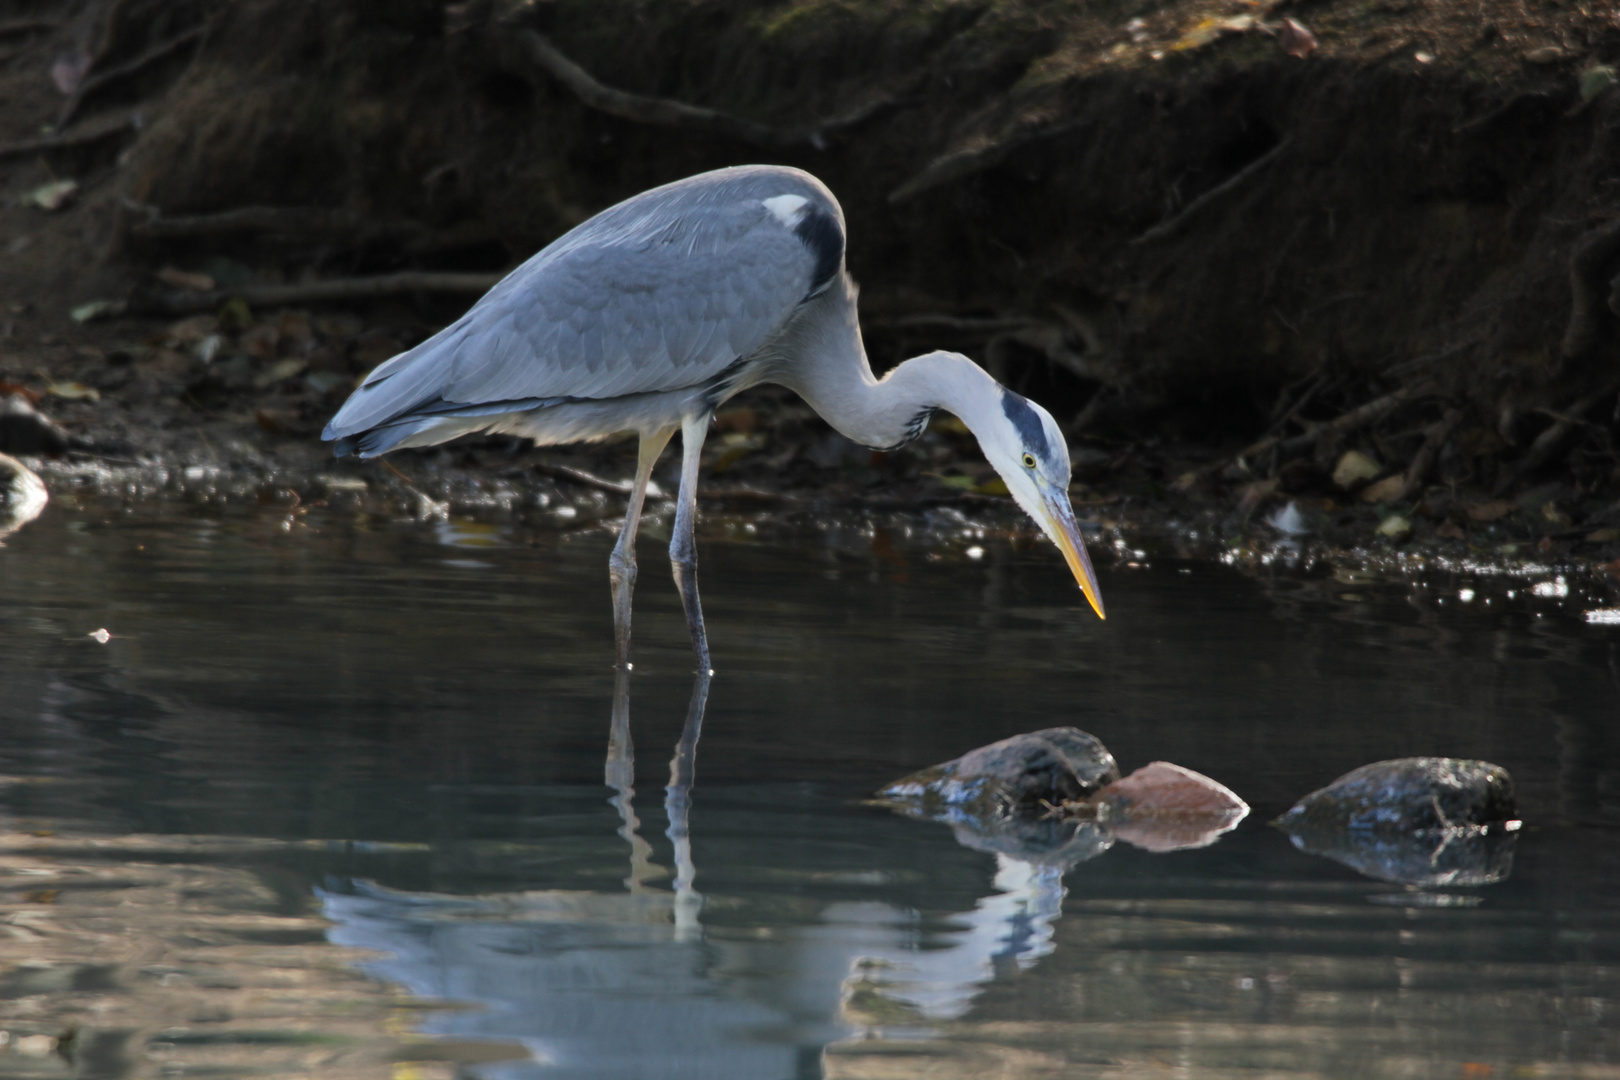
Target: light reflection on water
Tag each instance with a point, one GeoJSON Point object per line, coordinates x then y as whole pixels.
{"type": "Point", "coordinates": [366, 747]}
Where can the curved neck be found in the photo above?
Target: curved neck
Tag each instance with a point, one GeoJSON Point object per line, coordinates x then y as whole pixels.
{"type": "Point", "coordinates": [830, 371]}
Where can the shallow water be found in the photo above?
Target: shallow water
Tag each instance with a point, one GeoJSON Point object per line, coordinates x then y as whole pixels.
{"type": "Point", "coordinates": [346, 796]}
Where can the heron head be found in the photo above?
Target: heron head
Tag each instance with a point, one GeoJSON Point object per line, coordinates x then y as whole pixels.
{"type": "Point", "coordinates": [1032, 456]}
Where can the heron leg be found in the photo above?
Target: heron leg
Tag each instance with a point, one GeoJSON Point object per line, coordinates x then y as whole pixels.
{"type": "Point", "coordinates": [683, 545]}
{"type": "Point", "coordinates": [622, 563]}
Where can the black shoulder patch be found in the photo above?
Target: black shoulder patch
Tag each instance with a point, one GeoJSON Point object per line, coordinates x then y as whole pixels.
{"type": "Point", "coordinates": [1030, 428]}
{"type": "Point", "coordinates": [819, 231]}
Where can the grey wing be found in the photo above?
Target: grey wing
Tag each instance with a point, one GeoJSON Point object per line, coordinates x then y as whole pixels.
{"type": "Point", "coordinates": [641, 298]}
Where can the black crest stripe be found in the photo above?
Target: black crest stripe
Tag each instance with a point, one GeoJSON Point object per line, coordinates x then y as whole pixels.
{"type": "Point", "coordinates": [819, 231]}
{"type": "Point", "coordinates": [1030, 428]}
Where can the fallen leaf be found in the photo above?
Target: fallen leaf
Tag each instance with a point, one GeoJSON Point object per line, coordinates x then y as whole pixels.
{"type": "Point", "coordinates": [260, 342]}
{"type": "Point", "coordinates": [190, 331]}
{"type": "Point", "coordinates": [276, 372]}
{"type": "Point", "coordinates": [323, 382]}
{"type": "Point", "coordinates": [1596, 536]}
{"type": "Point", "coordinates": [1489, 511]}
{"type": "Point", "coordinates": [1551, 514]}
{"type": "Point", "coordinates": [69, 69]}
{"type": "Point", "coordinates": [1547, 54]}
{"type": "Point", "coordinates": [73, 391]}
{"type": "Point", "coordinates": [55, 195]}
{"type": "Point", "coordinates": [1423, 57]}
{"type": "Point", "coordinates": [1354, 468]}
{"type": "Point", "coordinates": [97, 309]}
{"type": "Point", "coordinates": [1386, 490]}
{"type": "Point", "coordinates": [1449, 530]}
{"type": "Point", "coordinates": [235, 315]}
{"type": "Point", "coordinates": [182, 280]}
{"type": "Point", "coordinates": [1395, 527]}
{"type": "Point", "coordinates": [1256, 493]}
{"type": "Point", "coordinates": [8, 388]}
{"type": "Point", "coordinates": [1595, 80]}
{"type": "Point", "coordinates": [1296, 39]}
{"type": "Point", "coordinates": [273, 421]}
{"type": "Point", "coordinates": [1165, 807]}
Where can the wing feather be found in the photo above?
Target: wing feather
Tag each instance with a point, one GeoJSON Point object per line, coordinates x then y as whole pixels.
{"type": "Point", "coordinates": [661, 292]}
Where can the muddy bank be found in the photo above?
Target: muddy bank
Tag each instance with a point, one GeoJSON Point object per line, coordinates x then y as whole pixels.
{"type": "Point", "coordinates": [1232, 246]}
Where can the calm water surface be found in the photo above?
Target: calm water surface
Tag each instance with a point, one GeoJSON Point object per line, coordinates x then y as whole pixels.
{"type": "Point", "coordinates": [355, 797]}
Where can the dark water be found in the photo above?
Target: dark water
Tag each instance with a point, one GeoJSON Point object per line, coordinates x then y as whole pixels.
{"type": "Point", "coordinates": [328, 774]}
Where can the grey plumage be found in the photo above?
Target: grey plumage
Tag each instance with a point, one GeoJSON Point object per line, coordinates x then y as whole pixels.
{"type": "Point", "coordinates": [649, 315]}
{"type": "Point", "coordinates": [662, 292]}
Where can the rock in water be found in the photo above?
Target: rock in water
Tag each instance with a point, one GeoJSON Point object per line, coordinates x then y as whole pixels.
{"type": "Point", "coordinates": [1417, 821]}
{"type": "Point", "coordinates": [997, 798]}
{"type": "Point", "coordinates": [1016, 775]}
{"type": "Point", "coordinates": [22, 495]}
{"type": "Point", "coordinates": [26, 430]}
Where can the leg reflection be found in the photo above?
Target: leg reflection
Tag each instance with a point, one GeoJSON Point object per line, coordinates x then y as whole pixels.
{"type": "Point", "coordinates": [678, 805]}
{"type": "Point", "coordinates": [620, 774]}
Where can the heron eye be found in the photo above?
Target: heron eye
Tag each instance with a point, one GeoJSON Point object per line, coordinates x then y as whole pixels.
{"type": "Point", "coordinates": [1029, 461]}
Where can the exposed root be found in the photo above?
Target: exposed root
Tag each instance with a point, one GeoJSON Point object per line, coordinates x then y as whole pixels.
{"type": "Point", "coordinates": [292, 220]}
{"type": "Point", "coordinates": [93, 83]}
{"type": "Point", "coordinates": [975, 157]}
{"type": "Point", "coordinates": [1215, 194]}
{"type": "Point", "coordinates": [1434, 441]}
{"type": "Point", "coordinates": [90, 133]}
{"type": "Point", "coordinates": [18, 27]}
{"type": "Point", "coordinates": [1289, 446]}
{"type": "Point", "coordinates": [306, 292]}
{"type": "Point", "coordinates": [1555, 441]}
{"type": "Point", "coordinates": [1590, 266]}
{"type": "Point", "coordinates": [666, 112]}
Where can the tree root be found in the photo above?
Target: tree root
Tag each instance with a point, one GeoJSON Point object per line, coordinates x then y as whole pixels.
{"type": "Point", "coordinates": [92, 83]}
{"type": "Point", "coordinates": [975, 157]}
{"type": "Point", "coordinates": [1594, 254]}
{"type": "Point", "coordinates": [90, 133]}
{"type": "Point", "coordinates": [1215, 194]}
{"type": "Point", "coordinates": [665, 112]}
{"type": "Point", "coordinates": [308, 292]}
{"type": "Point", "coordinates": [1555, 441]}
{"type": "Point", "coordinates": [294, 220]}
{"type": "Point", "coordinates": [1358, 417]}
{"type": "Point", "coordinates": [18, 27]}
{"type": "Point", "coordinates": [1434, 441]}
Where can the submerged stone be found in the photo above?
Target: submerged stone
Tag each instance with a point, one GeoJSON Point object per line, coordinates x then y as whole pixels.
{"type": "Point", "coordinates": [1013, 776]}
{"type": "Point", "coordinates": [1417, 821]}
{"type": "Point", "coordinates": [22, 495]}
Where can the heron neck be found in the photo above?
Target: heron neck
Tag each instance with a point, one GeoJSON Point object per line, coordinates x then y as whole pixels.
{"type": "Point", "coordinates": [831, 372]}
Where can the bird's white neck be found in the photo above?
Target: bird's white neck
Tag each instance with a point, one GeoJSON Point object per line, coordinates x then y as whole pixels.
{"type": "Point", "coordinates": [830, 371]}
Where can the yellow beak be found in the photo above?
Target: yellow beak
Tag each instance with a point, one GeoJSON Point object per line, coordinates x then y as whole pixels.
{"type": "Point", "coordinates": [1057, 517]}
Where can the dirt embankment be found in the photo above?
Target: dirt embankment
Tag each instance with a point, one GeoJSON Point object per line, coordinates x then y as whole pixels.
{"type": "Point", "coordinates": [1227, 242]}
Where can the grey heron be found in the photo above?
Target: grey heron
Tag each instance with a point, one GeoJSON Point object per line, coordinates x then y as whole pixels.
{"type": "Point", "coordinates": [650, 315]}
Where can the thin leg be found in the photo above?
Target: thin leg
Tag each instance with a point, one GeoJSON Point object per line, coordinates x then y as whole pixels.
{"type": "Point", "coordinates": [678, 808]}
{"type": "Point", "coordinates": [683, 545]}
{"type": "Point", "coordinates": [622, 563]}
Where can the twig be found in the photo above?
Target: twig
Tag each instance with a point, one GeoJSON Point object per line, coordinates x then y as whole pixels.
{"type": "Point", "coordinates": [669, 113]}
{"type": "Point", "coordinates": [82, 137]}
{"type": "Point", "coordinates": [360, 288]}
{"type": "Point", "coordinates": [974, 157]}
{"type": "Point", "coordinates": [580, 476]}
{"type": "Point", "coordinates": [1595, 251]}
{"type": "Point", "coordinates": [1434, 440]}
{"type": "Point", "coordinates": [146, 59]}
{"type": "Point", "coordinates": [1214, 194]}
{"type": "Point", "coordinates": [316, 220]}
{"type": "Point", "coordinates": [14, 27]}
{"type": "Point", "coordinates": [1350, 421]}
{"type": "Point", "coordinates": [1550, 442]}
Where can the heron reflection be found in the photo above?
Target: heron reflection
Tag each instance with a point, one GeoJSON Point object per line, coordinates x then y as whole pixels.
{"type": "Point", "coordinates": [632, 983]}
